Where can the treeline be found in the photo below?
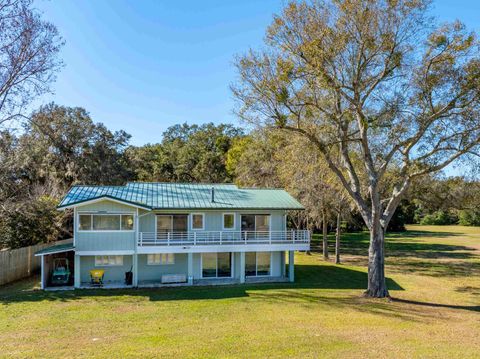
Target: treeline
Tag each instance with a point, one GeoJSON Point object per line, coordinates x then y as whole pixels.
{"type": "Point", "coordinates": [266, 158]}
{"type": "Point", "coordinates": [443, 201]}
{"type": "Point", "coordinates": [62, 146]}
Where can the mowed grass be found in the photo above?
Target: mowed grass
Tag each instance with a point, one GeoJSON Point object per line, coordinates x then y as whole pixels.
{"type": "Point", "coordinates": [434, 278]}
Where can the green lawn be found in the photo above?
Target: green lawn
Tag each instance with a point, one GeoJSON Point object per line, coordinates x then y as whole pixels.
{"type": "Point", "coordinates": [434, 277]}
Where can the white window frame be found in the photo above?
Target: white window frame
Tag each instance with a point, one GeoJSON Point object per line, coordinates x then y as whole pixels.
{"type": "Point", "coordinates": [109, 265]}
{"type": "Point", "coordinates": [77, 226]}
{"type": "Point", "coordinates": [161, 263]}
{"type": "Point", "coordinates": [256, 266]}
{"type": "Point", "coordinates": [234, 221]}
{"type": "Point", "coordinates": [203, 221]}
{"type": "Point", "coordinates": [232, 266]}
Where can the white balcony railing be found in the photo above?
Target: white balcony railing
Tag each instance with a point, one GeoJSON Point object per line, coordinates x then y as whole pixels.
{"type": "Point", "coordinates": [196, 238]}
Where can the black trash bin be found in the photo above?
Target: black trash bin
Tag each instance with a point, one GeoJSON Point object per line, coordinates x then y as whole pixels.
{"type": "Point", "coordinates": [129, 277]}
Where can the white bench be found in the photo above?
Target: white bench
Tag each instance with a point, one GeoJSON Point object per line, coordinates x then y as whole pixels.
{"type": "Point", "coordinates": [174, 278]}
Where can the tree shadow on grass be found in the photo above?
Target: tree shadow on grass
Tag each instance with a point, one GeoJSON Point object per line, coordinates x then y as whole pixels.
{"type": "Point", "coordinates": [437, 268]}
{"type": "Point", "coordinates": [334, 277]}
{"type": "Point", "coordinates": [469, 289]}
{"type": "Point", "coordinates": [408, 252]}
{"type": "Point", "coordinates": [419, 233]}
{"type": "Point", "coordinates": [402, 244]}
{"type": "Point", "coordinates": [327, 285]}
{"type": "Point", "coordinates": [308, 277]}
{"type": "Point", "coordinates": [407, 310]}
{"type": "Point", "coordinates": [474, 308]}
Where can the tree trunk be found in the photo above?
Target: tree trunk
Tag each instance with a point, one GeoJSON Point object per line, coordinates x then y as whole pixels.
{"type": "Point", "coordinates": [337, 239]}
{"type": "Point", "coordinates": [325, 231]}
{"type": "Point", "coordinates": [377, 286]}
{"type": "Point", "coordinates": [308, 227]}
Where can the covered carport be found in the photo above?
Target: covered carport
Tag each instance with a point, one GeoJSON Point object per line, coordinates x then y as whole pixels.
{"type": "Point", "coordinates": [62, 256]}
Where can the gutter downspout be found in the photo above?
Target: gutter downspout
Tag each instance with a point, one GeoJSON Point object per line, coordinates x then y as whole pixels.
{"type": "Point", "coordinates": [135, 254]}
{"type": "Point", "coordinates": [135, 247]}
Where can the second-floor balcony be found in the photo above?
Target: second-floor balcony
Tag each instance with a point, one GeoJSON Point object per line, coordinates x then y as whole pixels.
{"type": "Point", "coordinates": [225, 238]}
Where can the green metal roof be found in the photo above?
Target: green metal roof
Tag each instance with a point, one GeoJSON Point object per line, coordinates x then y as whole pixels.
{"type": "Point", "coordinates": [184, 196]}
{"type": "Point", "coordinates": [56, 249]}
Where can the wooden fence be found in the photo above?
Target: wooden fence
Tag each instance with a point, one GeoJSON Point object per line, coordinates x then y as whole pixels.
{"type": "Point", "coordinates": [20, 263]}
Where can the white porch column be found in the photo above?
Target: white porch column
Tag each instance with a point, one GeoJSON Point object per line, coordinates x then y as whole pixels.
{"type": "Point", "coordinates": [190, 268]}
{"type": "Point", "coordinates": [291, 265]}
{"type": "Point", "coordinates": [42, 273]}
{"type": "Point", "coordinates": [242, 267]}
{"type": "Point", "coordinates": [135, 254]}
{"type": "Point", "coordinates": [76, 275]}
{"type": "Point", "coordinates": [135, 269]}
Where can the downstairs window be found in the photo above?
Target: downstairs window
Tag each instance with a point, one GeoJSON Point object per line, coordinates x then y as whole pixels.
{"type": "Point", "coordinates": [160, 259]}
{"type": "Point", "coordinates": [105, 261]}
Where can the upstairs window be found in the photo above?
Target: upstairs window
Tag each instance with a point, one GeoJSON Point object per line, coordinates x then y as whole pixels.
{"type": "Point", "coordinates": [198, 220]}
{"type": "Point", "coordinates": [127, 222]}
{"type": "Point", "coordinates": [228, 221]}
{"type": "Point", "coordinates": [105, 222]}
{"type": "Point", "coordinates": [85, 222]}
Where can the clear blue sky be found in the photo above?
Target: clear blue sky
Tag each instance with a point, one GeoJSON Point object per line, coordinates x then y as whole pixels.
{"type": "Point", "coordinates": [143, 66]}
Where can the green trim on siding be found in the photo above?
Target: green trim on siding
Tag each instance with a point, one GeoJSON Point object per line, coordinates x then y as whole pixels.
{"type": "Point", "coordinates": [59, 248]}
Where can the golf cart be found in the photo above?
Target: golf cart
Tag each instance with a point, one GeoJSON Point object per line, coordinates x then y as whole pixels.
{"type": "Point", "coordinates": [61, 271]}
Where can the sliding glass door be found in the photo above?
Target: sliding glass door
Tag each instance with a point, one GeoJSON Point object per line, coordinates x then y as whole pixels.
{"type": "Point", "coordinates": [216, 265]}
{"type": "Point", "coordinates": [257, 264]}
{"type": "Point", "coordinates": [257, 226]}
{"type": "Point", "coordinates": [175, 224]}
{"type": "Point", "coordinates": [209, 265]}
{"type": "Point", "coordinates": [250, 264]}
{"type": "Point", "coordinates": [224, 265]}
{"type": "Point", "coordinates": [263, 263]}
{"type": "Point", "coordinates": [262, 226]}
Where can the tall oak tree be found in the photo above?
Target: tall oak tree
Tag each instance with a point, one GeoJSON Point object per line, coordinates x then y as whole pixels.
{"type": "Point", "coordinates": [377, 82]}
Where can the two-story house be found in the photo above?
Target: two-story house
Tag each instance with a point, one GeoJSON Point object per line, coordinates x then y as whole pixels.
{"type": "Point", "coordinates": [178, 234]}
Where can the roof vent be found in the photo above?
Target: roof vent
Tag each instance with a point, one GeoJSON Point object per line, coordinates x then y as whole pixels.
{"type": "Point", "coordinates": [213, 194]}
